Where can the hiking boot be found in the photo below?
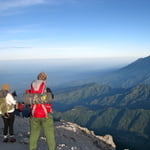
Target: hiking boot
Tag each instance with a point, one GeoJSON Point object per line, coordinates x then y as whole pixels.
{"type": "Point", "coordinates": [5, 140]}
{"type": "Point", "coordinates": [12, 139]}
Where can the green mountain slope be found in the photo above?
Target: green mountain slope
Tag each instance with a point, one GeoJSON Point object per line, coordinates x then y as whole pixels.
{"type": "Point", "coordinates": [129, 127]}
{"type": "Point", "coordinates": [125, 113]}
{"type": "Point", "coordinates": [80, 95]}
{"type": "Point", "coordinates": [95, 96]}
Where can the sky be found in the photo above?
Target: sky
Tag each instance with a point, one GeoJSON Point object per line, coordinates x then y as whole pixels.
{"type": "Point", "coordinates": [58, 29]}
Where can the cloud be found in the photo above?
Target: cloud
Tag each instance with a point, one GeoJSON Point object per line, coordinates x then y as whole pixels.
{"type": "Point", "coordinates": [9, 4]}
{"type": "Point", "coordinates": [16, 47]}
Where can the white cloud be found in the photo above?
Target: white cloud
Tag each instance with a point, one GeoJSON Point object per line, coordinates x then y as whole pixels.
{"type": "Point", "coordinates": [8, 4]}
{"type": "Point", "coordinates": [13, 7]}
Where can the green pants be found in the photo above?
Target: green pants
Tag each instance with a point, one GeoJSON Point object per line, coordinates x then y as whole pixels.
{"type": "Point", "coordinates": [36, 124]}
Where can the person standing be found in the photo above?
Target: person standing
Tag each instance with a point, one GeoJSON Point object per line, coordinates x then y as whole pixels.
{"type": "Point", "coordinates": [9, 116]}
{"type": "Point", "coordinates": [41, 119]}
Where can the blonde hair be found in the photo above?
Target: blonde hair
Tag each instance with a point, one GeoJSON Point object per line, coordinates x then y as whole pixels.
{"type": "Point", "coordinates": [42, 76]}
{"type": "Point", "coordinates": [6, 87]}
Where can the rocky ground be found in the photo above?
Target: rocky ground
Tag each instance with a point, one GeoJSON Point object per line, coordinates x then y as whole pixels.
{"type": "Point", "coordinates": [69, 136]}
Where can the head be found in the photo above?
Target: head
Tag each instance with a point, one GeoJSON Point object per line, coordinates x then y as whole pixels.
{"type": "Point", "coordinates": [6, 87]}
{"type": "Point", "coordinates": [42, 76]}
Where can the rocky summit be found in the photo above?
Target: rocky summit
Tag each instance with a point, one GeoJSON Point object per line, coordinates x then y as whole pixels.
{"type": "Point", "coordinates": [69, 136]}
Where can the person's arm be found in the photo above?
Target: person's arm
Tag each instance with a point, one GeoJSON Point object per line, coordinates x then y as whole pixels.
{"type": "Point", "coordinates": [48, 90]}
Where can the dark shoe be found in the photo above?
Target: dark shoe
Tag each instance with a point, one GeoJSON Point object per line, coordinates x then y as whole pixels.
{"type": "Point", "coordinates": [5, 140]}
{"type": "Point", "coordinates": [12, 139]}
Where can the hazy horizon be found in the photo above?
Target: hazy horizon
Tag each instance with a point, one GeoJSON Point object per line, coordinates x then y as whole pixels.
{"type": "Point", "coordinates": [20, 73]}
{"type": "Point", "coordinates": [59, 64]}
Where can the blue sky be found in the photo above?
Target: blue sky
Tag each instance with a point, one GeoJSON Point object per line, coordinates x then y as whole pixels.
{"type": "Point", "coordinates": [33, 29]}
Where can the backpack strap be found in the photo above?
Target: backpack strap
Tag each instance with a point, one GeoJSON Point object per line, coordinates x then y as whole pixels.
{"type": "Point", "coordinates": [3, 93]}
{"type": "Point", "coordinates": [40, 90]}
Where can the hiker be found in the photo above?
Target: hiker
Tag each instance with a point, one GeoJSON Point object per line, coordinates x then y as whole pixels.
{"type": "Point", "coordinates": [41, 114]}
{"type": "Point", "coordinates": [8, 116]}
{"type": "Point", "coordinates": [26, 112]}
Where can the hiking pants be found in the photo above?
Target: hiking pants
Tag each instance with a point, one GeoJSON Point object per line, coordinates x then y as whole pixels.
{"type": "Point", "coordinates": [8, 124]}
{"type": "Point", "coordinates": [36, 124]}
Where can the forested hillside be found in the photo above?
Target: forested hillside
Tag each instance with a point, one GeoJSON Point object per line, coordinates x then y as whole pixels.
{"type": "Point", "coordinates": [101, 96]}
{"type": "Point", "coordinates": [122, 112]}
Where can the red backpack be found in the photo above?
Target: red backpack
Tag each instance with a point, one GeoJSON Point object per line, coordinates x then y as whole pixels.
{"type": "Point", "coordinates": [40, 110]}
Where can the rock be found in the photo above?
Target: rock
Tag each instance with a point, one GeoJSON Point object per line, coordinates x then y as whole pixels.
{"type": "Point", "coordinates": [75, 135]}
{"type": "Point", "coordinates": [107, 139]}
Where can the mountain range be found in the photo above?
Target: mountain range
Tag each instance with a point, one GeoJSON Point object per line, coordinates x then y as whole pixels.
{"type": "Point", "coordinates": [130, 75]}
{"type": "Point", "coordinates": [117, 103]}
